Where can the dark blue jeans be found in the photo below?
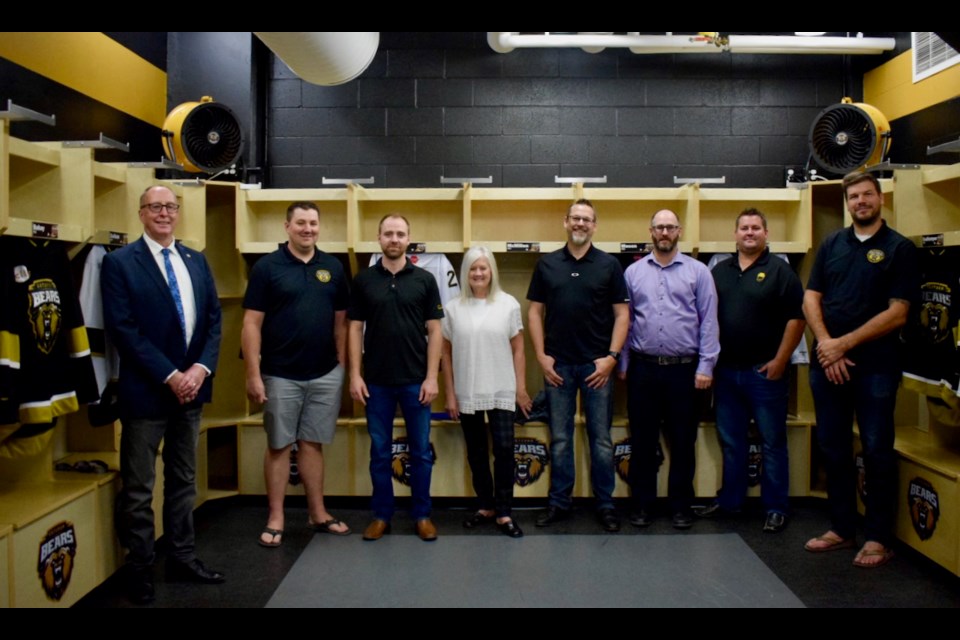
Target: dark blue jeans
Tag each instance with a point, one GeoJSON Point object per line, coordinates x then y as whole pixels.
{"type": "Point", "coordinates": [741, 393]}
{"type": "Point", "coordinates": [662, 395]}
{"type": "Point", "coordinates": [871, 397]}
{"type": "Point", "coordinates": [139, 442]}
{"type": "Point", "coordinates": [381, 407]}
{"type": "Point", "coordinates": [493, 492]}
{"type": "Point", "coordinates": [598, 410]}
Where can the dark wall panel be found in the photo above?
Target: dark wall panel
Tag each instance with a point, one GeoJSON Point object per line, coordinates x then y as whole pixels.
{"type": "Point", "coordinates": [149, 45]}
{"type": "Point", "coordinates": [223, 65]}
{"type": "Point", "coordinates": [435, 104]}
{"type": "Point", "coordinates": [912, 134]}
{"type": "Point", "coordinates": [79, 117]}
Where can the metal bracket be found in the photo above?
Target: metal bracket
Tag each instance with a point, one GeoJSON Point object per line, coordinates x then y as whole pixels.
{"type": "Point", "coordinates": [369, 180]}
{"type": "Point", "coordinates": [487, 180]}
{"type": "Point", "coordinates": [103, 143]}
{"type": "Point", "coordinates": [886, 165]}
{"type": "Point", "coordinates": [953, 145]}
{"type": "Point", "coordinates": [16, 112]}
{"type": "Point", "coordinates": [196, 182]}
{"type": "Point", "coordinates": [163, 164]}
{"type": "Point", "coordinates": [600, 180]}
{"type": "Point", "coordinates": [720, 180]}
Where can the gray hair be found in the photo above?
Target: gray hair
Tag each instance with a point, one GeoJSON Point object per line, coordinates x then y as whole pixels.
{"type": "Point", "coordinates": [472, 255]}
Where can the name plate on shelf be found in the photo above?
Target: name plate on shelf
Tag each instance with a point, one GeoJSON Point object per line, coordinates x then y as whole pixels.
{"type": "Point", "coordinates": [635, 247]}
{"type": "Point", "coordinates": [44, 230]}
{"type": "Point", "coordinates": [932, 240]}
{"type": "Point", "coordinates": [524, 247]}
{"type": "Point", "coordinates": [417, 247]}
{"type": "Point", "coordinates": [116, 237]}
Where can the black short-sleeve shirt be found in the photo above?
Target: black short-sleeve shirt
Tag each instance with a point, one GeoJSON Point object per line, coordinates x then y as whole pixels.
{"type": "Point", "coordinates": [299, 301]}
{"type": "Point", "coordinates": [579, 296]}
{"type": "Point", "coordinates": [395, 308]}
{"type": "Point", "coordinates": [857, 281]}
{"type": "Point", "coordinates": [754, 308]}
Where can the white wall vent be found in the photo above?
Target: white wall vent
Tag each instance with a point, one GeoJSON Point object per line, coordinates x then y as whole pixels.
{"type": "Point", "coordinates": [931, 55]}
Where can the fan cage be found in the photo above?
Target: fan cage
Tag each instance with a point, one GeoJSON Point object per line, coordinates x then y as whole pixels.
{"type": "Point", "coordinates": [211, 137]}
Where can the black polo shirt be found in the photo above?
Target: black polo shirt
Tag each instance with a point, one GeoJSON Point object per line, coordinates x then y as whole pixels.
{"type": "Point", "coordinates": [857, 281]}
{"type": "Point", "coordinates": [754, 308]}
{"type": "Point", "coordinates": [579, 296]}
{"type": "Point", "coordinates": [396, 308]}
{"type": "Point", "coordinates": [299, 301]}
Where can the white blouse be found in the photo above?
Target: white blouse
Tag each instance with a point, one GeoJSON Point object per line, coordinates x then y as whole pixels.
{"type": "Point", "coordinates": [480, 333]}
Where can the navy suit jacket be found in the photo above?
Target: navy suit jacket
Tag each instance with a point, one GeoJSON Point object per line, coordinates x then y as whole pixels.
{"type": "Point", "coordinates": [141, 317]}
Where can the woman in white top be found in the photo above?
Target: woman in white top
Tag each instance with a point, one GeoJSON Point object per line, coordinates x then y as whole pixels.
{"type": "Point", "coordinates": [485, 372]}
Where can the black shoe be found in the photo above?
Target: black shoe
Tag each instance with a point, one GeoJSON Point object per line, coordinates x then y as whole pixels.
{"type": "Point", "coordinates": [682, 520]}
{"type": "Point", "coordinates": [550, 515]}
{"type": "Point", "coordinates": [609, 520]}
{"type": "Point", "coordinates": [641, 518]}
{"type": "Point", "coordinates": [510, 528]}
{"type": "Point", "coordinates": [193, 571]}
{"type": "Point", "coordinates": [476, 519]}
{"type": "Point", "coordinates": [140, 585]}
{"type": "Point", "coordinates": [776, 522]}
{"type": "Point", "coordinates": [714, 510]}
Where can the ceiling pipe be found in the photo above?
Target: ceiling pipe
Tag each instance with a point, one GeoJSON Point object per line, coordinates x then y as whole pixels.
{"type": "Point", "coordinates": [506, 41]}
{"type": "Point", "coordinates": [325, 58]}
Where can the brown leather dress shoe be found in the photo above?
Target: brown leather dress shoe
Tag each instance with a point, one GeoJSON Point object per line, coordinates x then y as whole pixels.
{"type": "Point", "coordinates": [376, 529]}
{"type": "Point", "coordinates": [426, 530]}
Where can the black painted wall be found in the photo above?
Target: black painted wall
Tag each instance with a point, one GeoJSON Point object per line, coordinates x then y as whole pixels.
{"type": "Point", "coordinates": [80, 117]}
{"type": "Point", "coordinates": [435, 104]}
{"type": "Point", "coordinates": [223, 65]}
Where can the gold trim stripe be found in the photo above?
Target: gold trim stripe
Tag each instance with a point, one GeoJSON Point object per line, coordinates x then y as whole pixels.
{"type": "Point", "coordinates": [79, 345]}
{"type": "Point", "coordinates": [95, 65]}
{"type": "Point", "coordinates": [9, 350]}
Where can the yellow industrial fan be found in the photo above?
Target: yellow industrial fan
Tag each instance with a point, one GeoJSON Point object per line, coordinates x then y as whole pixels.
{"type": "Point", "coordinates": [849, 136]}
{"type": "Point", "coordinates": [204, 137]}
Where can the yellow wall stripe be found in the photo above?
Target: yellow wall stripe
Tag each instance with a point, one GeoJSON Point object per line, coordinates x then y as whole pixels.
{"type": "Point", "coordinates": [890, 87]}
{"type": "Point", "coordinates": [94, 65]}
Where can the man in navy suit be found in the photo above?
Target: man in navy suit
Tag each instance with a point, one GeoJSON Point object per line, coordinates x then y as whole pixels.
{"type": "Point", "coordinates": [161, 309]}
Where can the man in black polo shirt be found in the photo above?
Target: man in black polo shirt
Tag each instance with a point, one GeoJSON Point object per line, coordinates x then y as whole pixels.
{"type": "Point", "coordinates": [400, 304]}
{"type": "Point", "coordinates": [761, 322]}
{"type": "Point", "coordinates": [578, 322]}
{"type": "Point", "coordinates": [863, 281]}
{"type": "Point", "coordinates": [294, 344]}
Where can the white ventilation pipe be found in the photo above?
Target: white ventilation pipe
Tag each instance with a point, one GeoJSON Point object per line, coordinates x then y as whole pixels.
{"type": "Point", "coordinates": [325, 58]}
{"type": "Point", "coordinates": [506, 41]}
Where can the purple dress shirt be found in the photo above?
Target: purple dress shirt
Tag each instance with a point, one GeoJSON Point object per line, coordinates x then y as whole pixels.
{"type": "Point", "coordinates": [673, 311]}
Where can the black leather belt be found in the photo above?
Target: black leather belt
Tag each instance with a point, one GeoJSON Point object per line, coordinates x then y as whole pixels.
{"type": "Point", "coordinates": [663, 360]}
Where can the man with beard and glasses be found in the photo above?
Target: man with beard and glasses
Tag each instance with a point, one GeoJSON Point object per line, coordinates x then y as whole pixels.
{"type": "Point", "coordinates": [673, 346]}
{"type": "Point", "coordinates": [578, 321]}
{"type": "Point", "coordinates": [862, 284]}
{"type": "Point", "coordinates": [400, 353]}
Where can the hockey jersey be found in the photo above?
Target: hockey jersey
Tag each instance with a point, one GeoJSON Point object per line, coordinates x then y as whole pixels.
{"type": "Point", "coordinates": [931, 356]}
{"type": "Point", "coordinates": [45, 365]}
{"type": "Point", "coordinates": [106, 361]}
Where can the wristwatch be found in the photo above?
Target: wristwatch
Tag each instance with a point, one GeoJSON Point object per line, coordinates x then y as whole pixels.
{"type": "Point", "coordinates": [615, 355]}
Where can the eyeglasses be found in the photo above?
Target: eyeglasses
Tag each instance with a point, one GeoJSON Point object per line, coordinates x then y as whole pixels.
{"type": "Point", "coordinates": [580, 220]}
{"type": "Point", "coordinates": [669, 228]}
{"type": "Point", "coordinates": [157, 207]}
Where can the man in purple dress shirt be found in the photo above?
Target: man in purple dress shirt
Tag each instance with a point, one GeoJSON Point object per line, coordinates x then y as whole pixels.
{"type": "Point", "coordinates": [671, 350]}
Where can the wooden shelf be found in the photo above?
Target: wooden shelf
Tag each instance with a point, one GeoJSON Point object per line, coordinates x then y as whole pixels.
{"type": "Point", "coordinates": [34, 152]}
{"type": "Point", "coordinates": [24, 503]}
{"type": "Point", "coordinates": [941, 173]}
